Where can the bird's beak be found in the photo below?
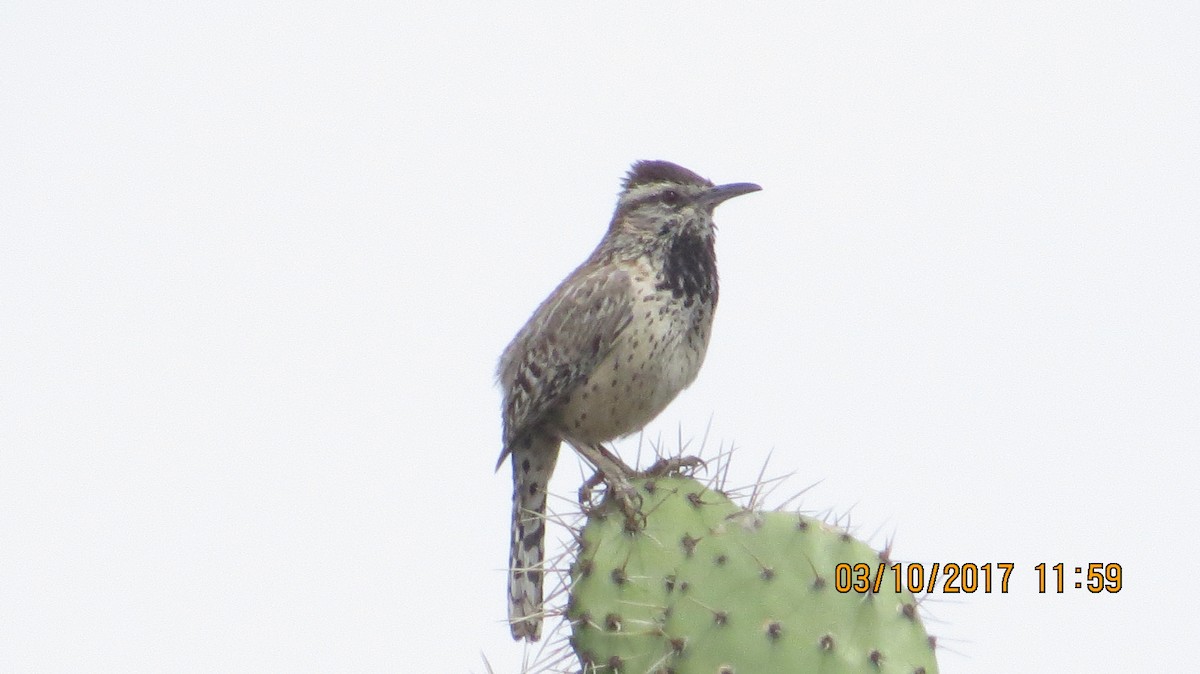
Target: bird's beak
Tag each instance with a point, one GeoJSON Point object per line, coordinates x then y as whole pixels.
{"type": "Point", "coordinates": [723, 192]}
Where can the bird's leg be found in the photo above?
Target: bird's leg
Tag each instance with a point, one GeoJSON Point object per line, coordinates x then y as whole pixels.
{"type": "Point", "coordinates": [615, 475]}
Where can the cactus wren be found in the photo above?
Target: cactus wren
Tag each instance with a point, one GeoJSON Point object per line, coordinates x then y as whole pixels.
{"type": "Point", "coordinates": [618, 339]}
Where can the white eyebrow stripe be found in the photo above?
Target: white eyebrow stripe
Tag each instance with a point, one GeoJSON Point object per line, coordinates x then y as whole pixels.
{"type": "Point", "coordinates": [642, 191]}
{"type": "Point", "coordinates": [653, 189]}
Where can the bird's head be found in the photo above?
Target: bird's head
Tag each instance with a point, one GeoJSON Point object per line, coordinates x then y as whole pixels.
{"type": "Point", "coordinates": [663, 200]}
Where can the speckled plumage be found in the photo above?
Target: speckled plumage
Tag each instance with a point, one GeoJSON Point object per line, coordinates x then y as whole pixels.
{"type": "Point", "coordinates": [608, 350]}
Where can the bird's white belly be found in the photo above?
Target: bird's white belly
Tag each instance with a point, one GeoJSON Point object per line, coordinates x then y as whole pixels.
{"type": "Point", "coordinates": [642, 374]}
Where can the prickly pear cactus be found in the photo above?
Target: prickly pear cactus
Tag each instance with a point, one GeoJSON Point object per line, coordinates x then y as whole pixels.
{"type": "Point", "coordinates": [709, 588]}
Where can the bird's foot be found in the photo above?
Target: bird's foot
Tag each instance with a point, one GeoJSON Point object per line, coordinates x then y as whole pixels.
{"type": "Point", "coordinates": [674, 465]}
{"type": "Point", "coordinates": [585, 492]}
{"type": "Point", "coordinates": [617, 490]}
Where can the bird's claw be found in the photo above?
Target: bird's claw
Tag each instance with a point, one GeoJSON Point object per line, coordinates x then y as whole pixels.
{"type": "Point", "coordinates": [674, 465]}
{"type": "Point", "coordinates": [585, 492]}
{"type": "Point", "coordinates": [617, 490]}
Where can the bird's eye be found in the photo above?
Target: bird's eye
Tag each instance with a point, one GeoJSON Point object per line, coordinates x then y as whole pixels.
{"type": "Point", "coordinates": [670, 197]}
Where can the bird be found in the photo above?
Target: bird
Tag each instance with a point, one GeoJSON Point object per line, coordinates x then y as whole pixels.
{"type": "Point", "coordinates": [606, 352]}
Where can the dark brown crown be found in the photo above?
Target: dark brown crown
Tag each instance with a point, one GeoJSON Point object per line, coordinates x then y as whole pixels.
{"type": "Point", "coordinates": [646, 172]}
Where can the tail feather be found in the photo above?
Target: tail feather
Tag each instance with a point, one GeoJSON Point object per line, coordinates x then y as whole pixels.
{"type": "Point", "coordinates": [533, 464]}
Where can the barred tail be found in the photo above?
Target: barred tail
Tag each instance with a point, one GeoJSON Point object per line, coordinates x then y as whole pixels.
{"type": "Point", "coordinates": [533, 464]}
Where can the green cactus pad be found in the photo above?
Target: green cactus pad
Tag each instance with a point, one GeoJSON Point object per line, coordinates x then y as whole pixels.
{"type": "Point", "coordinates": [709, 588]}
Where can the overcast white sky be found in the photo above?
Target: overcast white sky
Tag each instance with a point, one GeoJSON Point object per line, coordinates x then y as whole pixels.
{"type": "Point", "coordinates": [257, 261]}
